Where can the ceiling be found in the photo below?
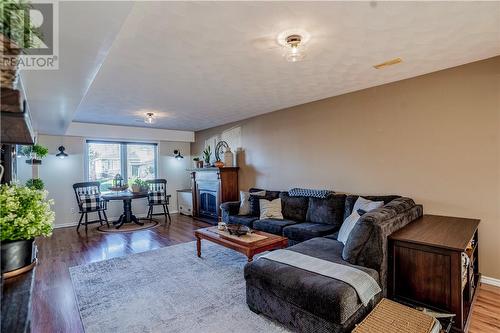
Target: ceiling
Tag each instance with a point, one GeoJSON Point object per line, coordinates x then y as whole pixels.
{"type": "Point", "coordinates": [203, 64]}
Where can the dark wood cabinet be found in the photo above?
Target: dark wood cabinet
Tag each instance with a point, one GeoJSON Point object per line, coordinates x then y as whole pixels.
{"type": "Point", "coordinates": [426, 265]}
{"type": "Point", "coordinates": [211, 187]}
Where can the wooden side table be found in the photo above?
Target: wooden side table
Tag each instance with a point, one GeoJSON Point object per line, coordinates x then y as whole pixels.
{"type": "Point", "coordinates": [426, 267]}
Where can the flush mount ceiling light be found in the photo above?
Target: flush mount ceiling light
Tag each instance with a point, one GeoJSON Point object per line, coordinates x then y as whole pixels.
{"type": "Point", "coordinates": [293, 42]}
{"type": "Point", "coordinates": [388, 63]}
{"type": "Point", "coordinates": [150, 118]}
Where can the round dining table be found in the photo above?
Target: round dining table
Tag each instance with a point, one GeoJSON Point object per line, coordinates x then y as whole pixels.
{"type": "Point", "coordinates": [127, 197]}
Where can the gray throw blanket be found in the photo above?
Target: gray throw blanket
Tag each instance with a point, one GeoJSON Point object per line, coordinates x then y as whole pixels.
{"type": "Point", "coordinates": [366, 287]}
{"type": "Point", "coordinates": [305, 192]}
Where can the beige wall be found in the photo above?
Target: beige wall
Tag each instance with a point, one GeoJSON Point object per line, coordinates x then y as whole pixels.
{"type": "Point", "coordinates": [60, 174]}
{"type": "Point", "coordinates": [435, 138]}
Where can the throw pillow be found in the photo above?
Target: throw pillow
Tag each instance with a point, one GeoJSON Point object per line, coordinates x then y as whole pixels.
{"type": "Point", "coordinates": [347, 227]}
{"type": "Point", "coordinates": [89, 202]}
{"type": "Point", "coordinates": [366, 205]}
{"type": "Point", "coordinates": [270, 209]}
{"type": "Point", "coordinates": [254, 201]}
{"type": "Point", "coordinates": [249, 198]}
{"type": "Point", "coordinates": [245, 201]}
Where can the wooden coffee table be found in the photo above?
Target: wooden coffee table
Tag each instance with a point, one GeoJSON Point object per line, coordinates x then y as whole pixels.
{"type": "Point", "coordinates": [268, 242]}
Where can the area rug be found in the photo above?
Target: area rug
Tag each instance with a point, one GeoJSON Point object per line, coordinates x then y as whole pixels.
{"type": "Point", "coordinates": [168, 290]}
{"type": "Point", "coordinates": [128, 227]}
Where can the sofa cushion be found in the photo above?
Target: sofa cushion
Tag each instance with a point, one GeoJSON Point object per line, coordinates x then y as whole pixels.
{"type": "Point", "coordinates": [254, 200]}
{"type": "Point", "coordinates": [243, 219]}
{"type": "Point", "coordinates": [328, 211]}
{"type": "Point", "coordinates": [347, 227]}
{"type": "Point", "coordinates": [304, 231]}
{"type": "Point", "coordinates": [270, 209]}
{"type": "Point", "coordinates": [327, 298]}
{"type": "Point", "coordinates": [245, 201]}
{"type": "Point", "coordinates": [367, 242]}
{"type": "Point", "coordinates": [294, 208]}
{"type": "Point", "coordinates": [272, 226]}
{"type": "Point", "coordinates": [333, 236]}
{"type": "Point", "coordinates": [350, 200]}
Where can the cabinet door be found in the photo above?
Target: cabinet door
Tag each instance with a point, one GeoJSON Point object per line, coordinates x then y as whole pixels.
{"type": "Point", "coordinates": [423, 275]}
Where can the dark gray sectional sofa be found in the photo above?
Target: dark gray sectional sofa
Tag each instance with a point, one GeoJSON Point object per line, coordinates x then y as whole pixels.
{"type": "Point", "coordinates": [304, 217]}
{"type": "Point", "coordinates": [308, 302]}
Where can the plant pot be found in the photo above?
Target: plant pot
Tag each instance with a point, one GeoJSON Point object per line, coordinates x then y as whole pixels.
{"type": "Point", "coordinates": [135, 188]}
{"type": "Point", "coordinates": [17, 254]}
{"type": "Point", "coordinates": [199, 164]}
{"type": "Point", "coordinates": [206, 165]}
{"type": "Point", "coordinates": [9, 68]}
{"type": "Point", "coordinates": [34, 161]}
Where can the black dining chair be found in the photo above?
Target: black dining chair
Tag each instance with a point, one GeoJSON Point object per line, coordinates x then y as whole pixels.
{"type": "Point", "coordinates": [157, 195]}
{"type": "Point", "coordinates": [88, 197]}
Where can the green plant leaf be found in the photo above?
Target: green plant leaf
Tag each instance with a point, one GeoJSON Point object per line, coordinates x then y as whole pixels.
{"type": "Point", "coordinates": [25, 213]}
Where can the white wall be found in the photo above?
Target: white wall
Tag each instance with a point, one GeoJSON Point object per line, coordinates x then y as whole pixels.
{"type": "Point", "coordinates": [60, 174]}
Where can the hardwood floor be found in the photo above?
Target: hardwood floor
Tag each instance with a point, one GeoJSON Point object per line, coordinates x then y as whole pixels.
{"type": "Point", "coordinates": [54, 304]}
{"type": "Point", "coordinates": [486, 312]}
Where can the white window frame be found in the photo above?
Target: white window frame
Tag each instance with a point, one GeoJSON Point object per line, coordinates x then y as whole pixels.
{"type": "Point", "coordinates": [123, 155]}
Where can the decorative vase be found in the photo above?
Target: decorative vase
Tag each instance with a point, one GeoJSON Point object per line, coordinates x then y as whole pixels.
{"type": "Point", "coordinates": [219, 164]}
{"type": "Point", "coordinates": [9, 68]}
{"type": "Point", "coordinates": [17, 254]}
{"type": "Point", "coordinates": [228, 157]}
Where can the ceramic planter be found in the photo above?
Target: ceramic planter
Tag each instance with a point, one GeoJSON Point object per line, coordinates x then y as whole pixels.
{"type": "Point", "coordinates": [17, 254]}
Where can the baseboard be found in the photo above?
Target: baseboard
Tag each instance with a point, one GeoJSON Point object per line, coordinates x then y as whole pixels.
{"type": "Point", "coordinates": [110, 218]}
{"type": "Point", "coordinates": [491, 281]}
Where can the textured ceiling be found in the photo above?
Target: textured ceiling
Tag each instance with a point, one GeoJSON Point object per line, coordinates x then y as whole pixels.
{"type": "Point", "coordinates": [199, 65]}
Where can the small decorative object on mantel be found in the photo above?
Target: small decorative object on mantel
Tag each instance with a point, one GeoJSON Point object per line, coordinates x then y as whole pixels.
{"type": "Point", "coordinates": [197, 163]}
{"type": "Point", "coordinates": [223, 148]}
{"type": "Point", "coordinates": [117, 184]}
{"type": "Point", "coordinates": [34, 153]}
{"type": "Point", "coordinates": [207, 154]}
{"type": "Point", "coordinates": [228, 157]}
{"type": "Point", "coordinates": [26, 213]}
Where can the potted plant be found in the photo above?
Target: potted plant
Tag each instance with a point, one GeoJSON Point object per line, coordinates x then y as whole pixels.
{"type": "Point", "coordinates": [17, 34]}
{"type": "Point", "coordinates": [35, 183]}
{"type": "Point", "coordinates": [138, 185]}
{"type": "Point", "coordinates": [197, 163]}
{"type": "Point", "coordinates": [34, 153]}
{"type": "Point", "coordinates": [207, 154]}
{"type": "Point", "coordinates": [25, 213]}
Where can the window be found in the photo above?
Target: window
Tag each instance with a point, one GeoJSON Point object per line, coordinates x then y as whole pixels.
{"type": "Point", "coordinates": [130, 160]}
